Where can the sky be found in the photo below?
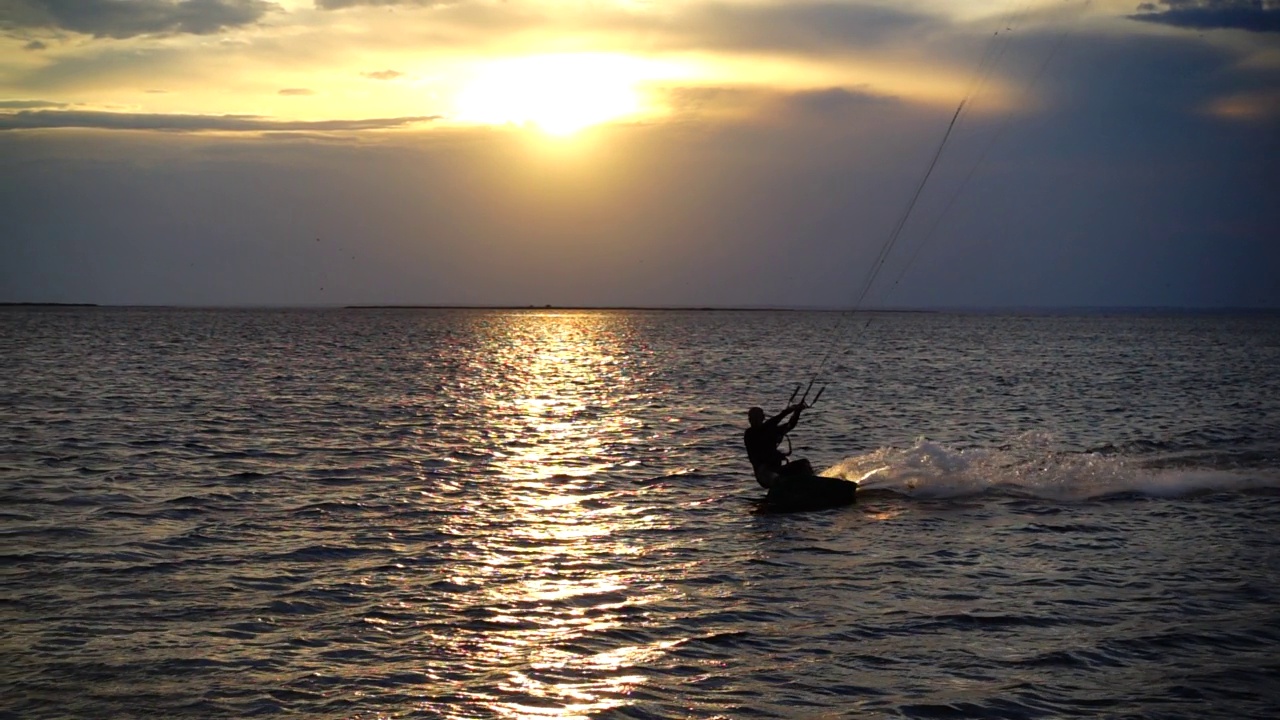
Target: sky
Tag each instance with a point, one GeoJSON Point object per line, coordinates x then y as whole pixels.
{"type": "Point", "coordinates": [723, 153]}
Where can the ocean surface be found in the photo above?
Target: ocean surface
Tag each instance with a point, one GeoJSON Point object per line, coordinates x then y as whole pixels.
{"type": "Point", "coordinates": [525, 514]}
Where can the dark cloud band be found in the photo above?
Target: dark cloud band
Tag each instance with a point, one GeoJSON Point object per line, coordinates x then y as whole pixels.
{"type": "Point", "coordinates": [116, 19]}
{"type": "Point", "coordinates": [29, 104]}
{"type": "Point", "coordinates": [1251, 15]}
{"type": "Point", "coordinates": [41, 119]}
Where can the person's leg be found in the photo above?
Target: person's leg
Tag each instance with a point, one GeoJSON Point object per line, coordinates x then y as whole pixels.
{"type": "Point", "coordinates": [799, 466]}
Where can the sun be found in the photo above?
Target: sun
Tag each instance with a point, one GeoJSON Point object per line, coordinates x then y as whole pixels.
{"type": "Point", "coordinates": [559, 94]}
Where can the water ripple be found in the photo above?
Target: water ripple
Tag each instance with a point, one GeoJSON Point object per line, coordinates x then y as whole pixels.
{"type": "Point", "coordinates": [473, 514]}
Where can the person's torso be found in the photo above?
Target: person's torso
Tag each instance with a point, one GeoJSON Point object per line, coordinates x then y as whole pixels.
{"type": "Point", "coordinates": [762, 444]}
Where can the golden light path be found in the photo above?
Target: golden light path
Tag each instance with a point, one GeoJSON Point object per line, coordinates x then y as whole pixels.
{"type": "Point", "coordinates": [557, 569]}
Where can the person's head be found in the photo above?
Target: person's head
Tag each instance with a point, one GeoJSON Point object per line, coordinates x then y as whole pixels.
{"type": "Point", "coordinates": [756, 416]}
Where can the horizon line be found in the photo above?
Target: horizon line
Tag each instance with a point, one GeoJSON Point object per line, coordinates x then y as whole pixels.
{"type": "Point", "coordinates": [958, 309]}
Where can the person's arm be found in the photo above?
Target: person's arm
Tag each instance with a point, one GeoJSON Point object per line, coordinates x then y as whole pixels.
{"type": "Point", "coordinates": [778, 418]}
{"type": "Point", "coordinates": [795, 418]}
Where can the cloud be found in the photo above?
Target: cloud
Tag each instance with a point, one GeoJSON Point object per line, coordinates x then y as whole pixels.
{"type": "Point", "coordinates": [297, 91]}
{"type": "Point", "coordinates": [666, 216]}
{"type": "Point", "coordinates": [1161, 78]}
{"type": "Point", "coordinates": [340, 4]}
{"type": "Point", "coordinates": [833, 100]}
{"type": "Point", "coordinates": [28, 104]}
{"type": "Point", "coordinates": [383, 74]}
{"type": "Point", "coordinates": [40, 119]}
{"type": "Point", "coordinates": [746, 102]}
{"type": "Point", "coordinates": [799, 27]}
{"type": "Point", "coordinates": [116, 19]}
{"type": "Point", "coordinates": [810, 27]}
{"type": "Point", "coordinates": [1251, 15]}
{"type": "Point", "coordinates": [34, 45]}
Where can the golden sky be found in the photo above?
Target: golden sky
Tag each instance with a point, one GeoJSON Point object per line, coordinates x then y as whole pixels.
{"type": "Point", "coordinates": [638, 152]}
{"type": "Point", "coordinates": [560, 65]}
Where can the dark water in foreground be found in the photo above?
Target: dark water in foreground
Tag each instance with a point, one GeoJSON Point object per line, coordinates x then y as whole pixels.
{"type": "Point", "coordinates": [467, 514]}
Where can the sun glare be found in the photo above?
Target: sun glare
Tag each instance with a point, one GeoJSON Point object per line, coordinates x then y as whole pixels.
{"type": "Point", "coordinates": [559, 94]}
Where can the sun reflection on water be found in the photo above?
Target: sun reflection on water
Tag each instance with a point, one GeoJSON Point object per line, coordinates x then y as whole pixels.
{"type": "Point", "coordinates": [550, 569]}
{"type": "Point", "coordinates": [561, 378]}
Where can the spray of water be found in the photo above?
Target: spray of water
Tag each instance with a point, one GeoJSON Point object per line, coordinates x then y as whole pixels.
{"type": "Point", "coordinates": [1029, 467]}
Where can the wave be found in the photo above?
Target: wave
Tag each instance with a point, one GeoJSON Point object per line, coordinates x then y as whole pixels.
{"type": "Point", "coordinates": [1028, 466]}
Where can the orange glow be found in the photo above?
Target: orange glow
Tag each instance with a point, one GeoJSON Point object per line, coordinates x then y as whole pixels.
{"type": "Point", "coordinates": [1258, 106]}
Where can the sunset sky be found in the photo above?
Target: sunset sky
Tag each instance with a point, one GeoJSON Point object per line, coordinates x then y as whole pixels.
{"type": "Point", "coordinates": [624, 152]}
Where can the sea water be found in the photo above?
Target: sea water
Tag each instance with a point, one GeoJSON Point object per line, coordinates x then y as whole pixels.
{"type": "Point", "coordinates": [506, 514]}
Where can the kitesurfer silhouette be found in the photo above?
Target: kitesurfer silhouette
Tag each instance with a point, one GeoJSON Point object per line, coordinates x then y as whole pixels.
{"type": "Point", "coordinates": [762, 440]}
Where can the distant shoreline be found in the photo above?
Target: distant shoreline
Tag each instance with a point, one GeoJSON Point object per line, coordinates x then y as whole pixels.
{"type": "Point", "coordinates": [1005, 311]}
{"type": "Point", "coordinates": [46, 304]}
{"type": "Point", "coordinates": [644, 308]}
{"type": "Point", "coordinates": [1045, 311]}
